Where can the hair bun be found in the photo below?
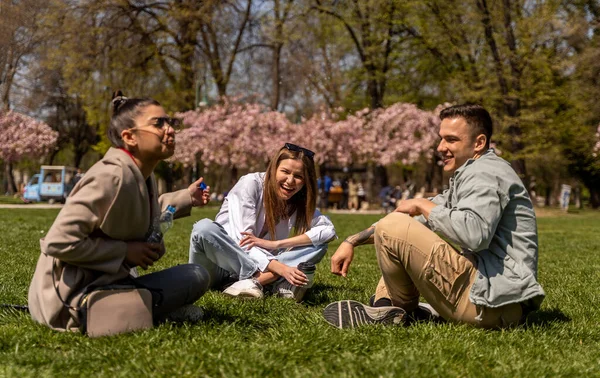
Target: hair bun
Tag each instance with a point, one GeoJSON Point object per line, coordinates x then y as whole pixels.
{"type": "Point", "coordinates": [117, 100]}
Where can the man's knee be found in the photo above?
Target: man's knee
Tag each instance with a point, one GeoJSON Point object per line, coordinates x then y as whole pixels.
{"type": "Point", "coordinates": [394, 223]}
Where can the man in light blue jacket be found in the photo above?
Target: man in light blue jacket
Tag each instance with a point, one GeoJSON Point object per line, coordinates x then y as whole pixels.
{"type": "Point", "coordinates": [484, 270]}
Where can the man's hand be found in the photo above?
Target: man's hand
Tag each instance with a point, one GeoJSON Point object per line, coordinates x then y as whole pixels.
{"type": "Point", "coordinates": [341, 259]}
{"type": "Point", "coordinates": [199, 197]}
{"type": "Point", "coordinates": [416, 206]}
{"type": "Point", "coordinates": [143, 254]}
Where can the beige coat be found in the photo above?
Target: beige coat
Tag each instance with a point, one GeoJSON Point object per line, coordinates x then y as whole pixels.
{"type": "Point", "coordinates": [109, 206]}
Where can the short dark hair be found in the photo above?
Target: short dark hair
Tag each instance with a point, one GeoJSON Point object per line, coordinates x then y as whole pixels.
{"type": "Point", "coordinates": [124, 112]}
{"type": "Point", "coordinates": [478, 119]}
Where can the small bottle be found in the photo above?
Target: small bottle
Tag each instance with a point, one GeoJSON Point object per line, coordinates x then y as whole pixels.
{"type": "Point", "coordinates": [162, 225]}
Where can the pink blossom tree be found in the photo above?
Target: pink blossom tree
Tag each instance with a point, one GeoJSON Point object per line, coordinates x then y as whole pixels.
{"type": "Point", "coordinates": [326, 136]}
{"type": "Point", "coordinates": [236, 135]}
{"type": "Point", "coordinates": [23, 137]}
{"type": "Point", "coordinates": [232, 135]}
{"type": "Point", "coordinates": [401, 132]}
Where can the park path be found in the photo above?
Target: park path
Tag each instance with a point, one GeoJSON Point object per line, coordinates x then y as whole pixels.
{"type": "Point", "coordinates": [30, 206]}
{"type": "Point", "coordinates": [59, 205]}
{"type": "Point", "coordinates": [539, 212]}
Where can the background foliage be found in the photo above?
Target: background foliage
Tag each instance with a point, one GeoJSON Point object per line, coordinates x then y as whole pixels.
{"type": "Point", "coordinates": [533, 64]}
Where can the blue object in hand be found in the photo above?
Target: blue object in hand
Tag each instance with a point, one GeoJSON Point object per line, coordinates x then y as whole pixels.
{"type": "Point", "coordinates": [202, 186]}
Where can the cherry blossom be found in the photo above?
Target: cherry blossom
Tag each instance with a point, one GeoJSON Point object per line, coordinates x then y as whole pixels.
{"type": "Point", "coordinates": [232, 134]}
{"type": "Point", "coordinates": [246, 135]}
{"type": "Point", "coordinates": [23, 136]}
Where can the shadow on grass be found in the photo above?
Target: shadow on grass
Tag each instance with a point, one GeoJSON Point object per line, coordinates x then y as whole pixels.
{"type": "Point", "coordinates": [546, 317]}
{"type": "Point", "coordinates": [321, 294]}
{"type": "Point", "coordinates": [243, 315]}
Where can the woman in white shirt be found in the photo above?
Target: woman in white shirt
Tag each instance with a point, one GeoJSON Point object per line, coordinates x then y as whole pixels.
{"type": "Point", "coordinates": [268, 231]}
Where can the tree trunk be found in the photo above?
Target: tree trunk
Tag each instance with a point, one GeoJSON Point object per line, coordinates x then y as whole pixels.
{"type": "Point", "coordinates": [10, 186]}
{"type": "Point", "coordinates": [276, 75]}
{"type": "Point", "coordinates": [548, 199]}
{"type": "Point", "coordinates": [169, 177]}
{"type": "Point", "coordinates": [234, 175]}
{"type": "Point", "coordinates": [376, 100]}
{"type": "Point", "coordinates": [276, 79]}
{"type": "Point", "coordinates": [78, 157]}
{"type": "Point", "coordinates": [594, 197]}
{"type": "Point", "coordinates": [511, 103]}
{"type": "Point", "coordinates": [5, 90]}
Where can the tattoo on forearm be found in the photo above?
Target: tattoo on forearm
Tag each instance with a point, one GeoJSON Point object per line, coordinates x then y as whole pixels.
{"type": "Point", "coordinates": [364, 237]}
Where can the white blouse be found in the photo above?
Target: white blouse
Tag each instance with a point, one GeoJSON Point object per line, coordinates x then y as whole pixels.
{"type": "Point", "coordinates": [243, 210]}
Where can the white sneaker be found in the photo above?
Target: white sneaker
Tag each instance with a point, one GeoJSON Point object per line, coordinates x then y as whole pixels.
{"type": "Point", "coordinates": [248, 288]}
{"type": "Point", "coordinates": [188, 313]}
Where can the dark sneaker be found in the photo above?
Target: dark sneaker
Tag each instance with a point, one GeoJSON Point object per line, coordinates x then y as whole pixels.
{"type": "Point", "coordinates": [284, 289]}
{"type": "Point", "coordinates": [423, 313]}
{"type": "Point", "coordinates": [352, 314]}
{"type": "Point", "coordinates": [381, 302]}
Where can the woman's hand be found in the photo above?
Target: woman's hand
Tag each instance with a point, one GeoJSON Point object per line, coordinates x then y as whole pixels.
{"type": "Point", "coordinates": [143, 254]}
{"type": "Point", "coordinates": [249, 241]}
{"type": "Point", "coordinates": [293, 275]}
{"type": "Point", "coordinates": [199, 197]}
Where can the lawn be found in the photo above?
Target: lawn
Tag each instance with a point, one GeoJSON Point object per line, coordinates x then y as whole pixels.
{"type": "Point", "coordinates": [11, 200]}
{"type": "Point", "coordinates": [275, 337]}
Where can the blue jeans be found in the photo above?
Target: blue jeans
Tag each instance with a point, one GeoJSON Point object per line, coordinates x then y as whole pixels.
{"type": "Point", "coordinates": [225, 260]}
{"type": "Point", "coordinates": [175, 287]}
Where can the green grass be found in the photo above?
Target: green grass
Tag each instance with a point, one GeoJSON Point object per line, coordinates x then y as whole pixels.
{"type": "Point", "coordinates": [276, 337]}
{"type": "Point", "coordinates": [11, 200]}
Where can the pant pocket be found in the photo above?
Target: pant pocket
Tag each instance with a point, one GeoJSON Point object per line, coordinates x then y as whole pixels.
{"type": "Point", "coordinates": [447, 271]}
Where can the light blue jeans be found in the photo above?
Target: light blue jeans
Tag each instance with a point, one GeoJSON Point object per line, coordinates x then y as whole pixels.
{"type": "Point", "coordinates": [225, 260]}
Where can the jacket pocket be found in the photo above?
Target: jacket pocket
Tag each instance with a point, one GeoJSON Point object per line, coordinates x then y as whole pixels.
{"type": "Point", "coordinates": [448, 271]}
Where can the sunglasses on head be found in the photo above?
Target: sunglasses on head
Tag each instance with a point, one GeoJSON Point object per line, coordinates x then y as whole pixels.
{"type": "Point", "coordinates": [160, 122]}
{"type": "Point", "coordinates": [293, 147]}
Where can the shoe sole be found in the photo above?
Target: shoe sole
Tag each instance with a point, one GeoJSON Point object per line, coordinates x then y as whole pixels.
{"type": "Point", "coordinates": [243, 295]}
{"type": "Point", "coordinates": [352, 314]}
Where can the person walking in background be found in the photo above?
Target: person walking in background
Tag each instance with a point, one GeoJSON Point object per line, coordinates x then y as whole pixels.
{"type": "Point", "coordinates": [325, 183]}
{"type": "Point", "coordinates": [345, 193]}
{"type": "Point", "coordinates": [268, 231]}
{"type": "Point", "coordinates": [361, 193]}
{"type": "Point", "coordinates": [352, 194]}
{"type": "Point", "coordinates": [98, 238]}
{"type": "Point", "coordinates": [491, 281]}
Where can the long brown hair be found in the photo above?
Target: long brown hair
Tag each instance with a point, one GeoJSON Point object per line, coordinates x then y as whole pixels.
{"type": "Point", "coordinates": [304, 202]}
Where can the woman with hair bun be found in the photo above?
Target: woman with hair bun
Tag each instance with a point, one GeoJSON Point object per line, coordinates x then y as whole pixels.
{"type": "Point", "coordinates": [268, 231]}
{"type": "Point", "coordinates": [100, 235]}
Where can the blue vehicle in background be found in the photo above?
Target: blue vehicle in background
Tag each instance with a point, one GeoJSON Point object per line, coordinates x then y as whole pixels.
{"type": "Point", "coordinates": [52, 184]}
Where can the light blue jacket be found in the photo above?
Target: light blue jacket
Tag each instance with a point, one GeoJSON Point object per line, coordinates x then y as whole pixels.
{"type": "Point", "coordinates": [488, 213]}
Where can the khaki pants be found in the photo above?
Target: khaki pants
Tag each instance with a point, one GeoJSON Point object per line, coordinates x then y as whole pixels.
{"type": "Point", "coordinates": [415, 261]}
